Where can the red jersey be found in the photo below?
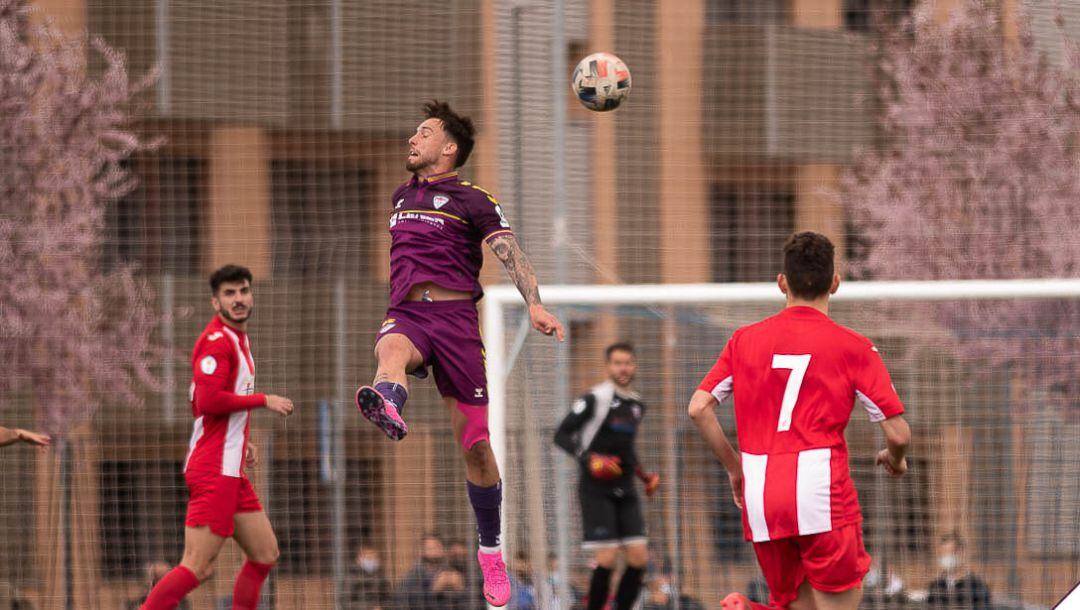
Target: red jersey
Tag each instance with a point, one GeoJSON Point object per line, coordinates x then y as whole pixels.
{"type": "Point", "coordinates": [222, 395]}
{"type": "Point", "coordinates": [795, 378]}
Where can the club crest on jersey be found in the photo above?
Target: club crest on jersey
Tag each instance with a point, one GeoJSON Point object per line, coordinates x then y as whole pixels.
{"type": "Point", "coordinates": [503, 222]}
{"type": "Point", "coordinates": [208, 365]}
{"type": "Point", "coordinates": [440, 201]}
{"type": "Point", "coordinates": [387, 325]}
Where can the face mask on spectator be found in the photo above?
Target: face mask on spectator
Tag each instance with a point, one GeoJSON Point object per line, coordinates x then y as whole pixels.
{"type": "Point", "coordinates": [369, 566]}
{"type": "Point", "coordinates": [948, 562]}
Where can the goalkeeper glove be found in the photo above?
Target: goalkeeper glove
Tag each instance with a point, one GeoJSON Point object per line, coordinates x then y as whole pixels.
{"type": "Point", "coordinates": [651, 480]}
{"type": "Point", "coordinates": [604, 467]}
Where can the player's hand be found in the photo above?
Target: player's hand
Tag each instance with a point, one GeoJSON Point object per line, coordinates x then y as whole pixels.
{"type": "Point", "coordinates": [651, 480]}
{"type": "Point", "coordinates": [736, 480]}
{"type": "Point", "coordinates": [604, 467]}
{"type": "Point", "coordinates": [33, 438]}
{"type": "Point", "coordinates": [543, 321]}
{"type": "Point", "coordinates": [885, 458]}
{"type": "Point", "coordinates": [251, 458]}
{"type": "Point", "coordinates": [279, 404]}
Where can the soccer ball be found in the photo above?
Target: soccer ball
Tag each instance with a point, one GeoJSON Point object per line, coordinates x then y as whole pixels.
{"type": "Point", "coordinates": [601, 82]}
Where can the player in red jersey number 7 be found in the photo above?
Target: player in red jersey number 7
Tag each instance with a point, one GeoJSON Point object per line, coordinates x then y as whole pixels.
{"type": "Point", "coordinates": [222, 501]}
{"type": "Point", "coordinates": [795, 377]}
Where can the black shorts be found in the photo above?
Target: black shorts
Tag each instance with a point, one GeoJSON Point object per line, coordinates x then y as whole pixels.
{"type": "Point", "coordinates": [610, 519]}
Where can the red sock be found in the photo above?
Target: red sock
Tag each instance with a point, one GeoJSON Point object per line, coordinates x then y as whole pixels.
{"type": "Point", "coordinates": [248, 584]}
{"type": "Point", "coordinates": [171, 589]}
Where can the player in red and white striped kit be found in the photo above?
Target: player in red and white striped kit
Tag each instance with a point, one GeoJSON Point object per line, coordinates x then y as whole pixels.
{"type": "Point", "coordinates": [222, 501]}
{"type": "Point", "coordinates": [795, 377]}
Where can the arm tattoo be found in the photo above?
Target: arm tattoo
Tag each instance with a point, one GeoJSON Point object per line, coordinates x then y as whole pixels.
{"type": "Point", "coordinates": [518, 267]}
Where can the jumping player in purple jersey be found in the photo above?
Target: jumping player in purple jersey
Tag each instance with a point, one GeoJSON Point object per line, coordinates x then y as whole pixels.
{"type": "Point", "coordinates": [438, 226]}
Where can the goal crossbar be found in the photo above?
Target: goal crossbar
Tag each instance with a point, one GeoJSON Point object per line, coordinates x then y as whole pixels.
{"type": "Point", "coordinates": [498, 298]}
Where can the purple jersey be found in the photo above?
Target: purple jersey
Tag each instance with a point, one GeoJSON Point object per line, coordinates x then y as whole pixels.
{"type": "Point", "coordinates": [437, 231]}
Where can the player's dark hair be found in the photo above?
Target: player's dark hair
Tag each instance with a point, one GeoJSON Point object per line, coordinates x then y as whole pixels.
{"type": "Point", "coordinates": [809, 264]}
{"type": "Point", "coordinates": [621, 346]}
{"type": "Point", "coordinates": [229, 274]}
{"type": "Point", "coordinates": [459, 127]}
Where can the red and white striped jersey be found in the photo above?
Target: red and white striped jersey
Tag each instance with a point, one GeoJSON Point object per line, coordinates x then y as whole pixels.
{"type": "Point", "coordinates": [222, 396]}
{"type": "Point", "coordinates": [794, 378]}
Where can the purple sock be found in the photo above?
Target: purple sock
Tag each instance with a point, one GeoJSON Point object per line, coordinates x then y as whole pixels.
{"type": "Point", "coordinates": [486, 502]}
{"type": "Point", "coordinates": [394, 392]}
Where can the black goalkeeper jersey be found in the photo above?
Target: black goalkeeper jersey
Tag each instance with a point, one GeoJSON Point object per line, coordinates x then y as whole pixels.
{"type": "Point", "coordinates": [582, 432]}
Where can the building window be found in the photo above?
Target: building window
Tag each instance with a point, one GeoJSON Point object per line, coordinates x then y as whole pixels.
{"type": "Point", "coordinates": [142, 514]}
{"type": "Point", "coordinates": [741, 12]}
{"type": "Point", "coordinates": [362, 490]}
{"type": "Point", "coordinates": [750, 220]}
{"type": "Point", "coordinates": [158, 226]}
{"type": "Point", "coordinates": [300, 511]}
{"type": "Point", "coordinates": [898, 516]}
{"type": "Point", "coordinates": [321, 217]}
{"type": "Point", "coordinates": [301, 506]}
{"type": "Point", "coordinates": [866, 15]}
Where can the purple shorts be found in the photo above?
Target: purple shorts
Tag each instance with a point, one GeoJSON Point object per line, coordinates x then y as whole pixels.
{"type": "Point", "coordinates": [447, 335]}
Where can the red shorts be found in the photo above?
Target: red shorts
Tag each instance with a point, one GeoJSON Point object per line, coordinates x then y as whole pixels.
{"type": "Point", "coordinates": [832, 561]}
{"type": "Point", "coordinates": [216, 499]}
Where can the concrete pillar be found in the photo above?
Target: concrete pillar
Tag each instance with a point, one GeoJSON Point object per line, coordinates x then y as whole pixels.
{"type": "Point", "coordinates": [683, 208]}
{"type": "Point", "coordinates": [604, 183]}
{"type": "Point", "coordinates": [684, 201]}
{"type": "Point", "coordinates": [816, 206]}
{"type": "Point", "coordinates": [943, 9]}
{"type": "Point", "coordinates": [407, 498]}
{"type": "Point", "coordinates": [389, 174]}
{"type": "Point", "coordinates": [816, 14]}
{"type": "Point", "coordinates": [238, 214]}
{"type": "Point", "coordinates": [68, 15]}
{"type": "Point", "coordinates": [85, 518]}
{"type": "Point", "coordinates": [1010, 27]}
{"type": "Point", "coordinates": [48, 533]}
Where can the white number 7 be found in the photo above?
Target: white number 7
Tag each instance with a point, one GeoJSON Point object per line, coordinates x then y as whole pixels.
{"type": "Point", "coordinates": [798, 366]}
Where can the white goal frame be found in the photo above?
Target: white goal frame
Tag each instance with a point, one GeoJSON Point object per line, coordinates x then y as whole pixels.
{"type": "Point", "coordinates": [498, 298]}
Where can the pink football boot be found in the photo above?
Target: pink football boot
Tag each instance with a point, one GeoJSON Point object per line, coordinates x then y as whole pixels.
{"type": "Point", "coordinates": [381, 412]}
{"type": "Point", "coordinates": [496, 584]}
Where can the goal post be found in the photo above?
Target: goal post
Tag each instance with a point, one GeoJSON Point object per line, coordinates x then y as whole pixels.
{"type": "Point", "coordinates": [503, 311]}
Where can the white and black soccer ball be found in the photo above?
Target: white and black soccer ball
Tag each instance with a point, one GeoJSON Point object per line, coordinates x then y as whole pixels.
{"type": "Point", "coordinates": [601, 82]}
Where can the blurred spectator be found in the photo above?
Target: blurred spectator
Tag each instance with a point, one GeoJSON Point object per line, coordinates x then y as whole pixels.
{"type": "Point", "coordinates": [368, 588]}
{"type": "Point", "coordinates": [883, 589]}
{"type": "Point", "coordinates": [153, 571]}
{"type": "Point", "coordinates": [458, 556]}
{"type": "Point", "coordinates": [432, 584]}
{"type": "Point", "coordinates": [660, 595]}
{"type": "Point", "coordinates": [523, 594]}
{"type": "Point", "coordinates": [552, 588]}
{"type": "Point", "coordinates": [956, 587]}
